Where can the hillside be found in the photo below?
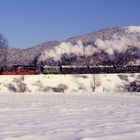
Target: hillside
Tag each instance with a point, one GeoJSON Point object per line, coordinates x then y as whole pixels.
{"type": "Point", "coordinates": [117, 45]}
{"type": "Point", "coordinates": [28, 56]}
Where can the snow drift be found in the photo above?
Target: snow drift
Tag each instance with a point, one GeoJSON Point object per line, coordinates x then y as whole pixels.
{"type": "Point", "coordinates": [70, 83]}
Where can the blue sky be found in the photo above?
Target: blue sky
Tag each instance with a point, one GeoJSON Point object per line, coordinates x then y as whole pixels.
{"type": "Point", "coordinates": [26, 23]}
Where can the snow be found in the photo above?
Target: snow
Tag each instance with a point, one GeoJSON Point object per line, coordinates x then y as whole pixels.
{"type": "Point", "coordinates": [69, 117]}
{"type": "Point", "coordinates": [133, 29]}
{"type": "Point", "coordinates": [72, 83]}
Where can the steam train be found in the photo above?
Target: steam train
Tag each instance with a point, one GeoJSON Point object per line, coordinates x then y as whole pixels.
{"type": "Point", "coordinates": [33, 70]}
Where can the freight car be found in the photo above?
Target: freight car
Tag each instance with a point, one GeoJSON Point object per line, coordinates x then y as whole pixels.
{"type": "Point", "coordinates": [90, 69]}
{"type": "Point", "coordinates": [65, 69]}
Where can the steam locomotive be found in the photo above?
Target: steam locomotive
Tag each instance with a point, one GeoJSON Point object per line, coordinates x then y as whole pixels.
{"type": "Point", "coordinates": [33, 70]}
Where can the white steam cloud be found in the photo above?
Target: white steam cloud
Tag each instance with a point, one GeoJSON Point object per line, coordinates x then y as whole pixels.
{"type": "Point", "coordinates": [68, 48]}
{"type": "Point", "coordinates": [119, 44]}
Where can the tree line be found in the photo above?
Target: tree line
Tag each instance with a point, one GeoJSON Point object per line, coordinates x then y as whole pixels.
{"type": "Point", "coordinates": [3, 50]}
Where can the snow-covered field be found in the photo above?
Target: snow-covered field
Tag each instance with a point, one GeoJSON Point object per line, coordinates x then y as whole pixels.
{"type": "Point", "coordinates": [69, 117]}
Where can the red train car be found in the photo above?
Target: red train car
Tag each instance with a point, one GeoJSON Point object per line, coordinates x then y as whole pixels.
{"type": "Point", "coordinates": [19, 70]}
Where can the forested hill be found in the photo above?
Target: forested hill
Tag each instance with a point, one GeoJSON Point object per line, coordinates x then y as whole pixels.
{"type": "Point", "coordinates": [117, 45]}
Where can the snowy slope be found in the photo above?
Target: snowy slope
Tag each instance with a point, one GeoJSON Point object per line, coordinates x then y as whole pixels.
{"type": "Point", "coordinates": [69, 117]}
{"type": "Point", "coordinates": [70, 83]}
{"type": "Point", "coordinates": [97, 48]}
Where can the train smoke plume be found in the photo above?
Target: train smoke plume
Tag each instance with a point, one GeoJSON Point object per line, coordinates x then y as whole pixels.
{"type": "Point", "coordinates": [68, 48]}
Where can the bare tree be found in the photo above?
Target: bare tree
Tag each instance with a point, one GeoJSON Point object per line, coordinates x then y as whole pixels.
{"type": "Point", "coordinates": [3, 50]}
